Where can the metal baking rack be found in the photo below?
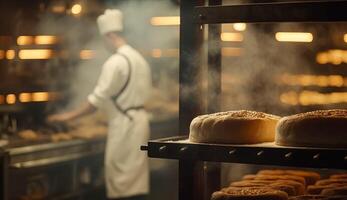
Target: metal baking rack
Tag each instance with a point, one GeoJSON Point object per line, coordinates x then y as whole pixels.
{"type": "Point", "coordinates": [196, 179]}
{"type": "Point", "coordinates": [261, 154]}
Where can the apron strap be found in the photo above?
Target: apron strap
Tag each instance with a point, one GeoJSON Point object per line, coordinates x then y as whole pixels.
{"type": "Point", "coordinates": [116, 96]}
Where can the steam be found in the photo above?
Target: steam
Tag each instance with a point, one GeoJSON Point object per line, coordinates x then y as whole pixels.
{"type": "Point", "coordinates": [81, 33]}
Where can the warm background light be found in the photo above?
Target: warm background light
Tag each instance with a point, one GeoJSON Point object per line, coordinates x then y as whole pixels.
{"type": "Point", "coordinates": [11, 99]}
{"type": "Point", "coordinates": [231, 37]}
{"type": "Point", "coordinates": [87, 54]}
{"type": "Point", "coordinates": [40, 96]}
{"type": "Point", "coordinates": [165, 21]}
{"type": "Point", "coordinates": [25, 40]}
{"type": "Point", "coordinates": [240, 26]}
{"type": "Point", "coordinates": [35, 54]}
{"type": "Point", "coordinates": [345, 37]}
{"type": "Point", "coordinates": [10, 54]}
{"type": "Point", "coordinates": [333, 56]}
{"type": "Point", "coordinates": [58, 9]}
{"type": "Point", "coordinates": [294, 37]}
{"type": "Point", "coordinates": [231, 51]}
{"type": "Point", "coordinates": [314, 80]}
{"type": "Point", "coordinates": [306, 98]}
{"type": "Point", "coordinates": [156, 53]}
{"type": "Point", "coordinates": [24, 97]}
{"type": "Point", "coordinates": [45, 39]}
{"type": "Point", "coordinates": [39, 40]}
{"type": "Point", "coordinates": [76, 9]}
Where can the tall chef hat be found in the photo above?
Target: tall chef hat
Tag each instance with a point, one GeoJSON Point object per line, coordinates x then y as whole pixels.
{"type": "Point", "coordinates": [111, 20]}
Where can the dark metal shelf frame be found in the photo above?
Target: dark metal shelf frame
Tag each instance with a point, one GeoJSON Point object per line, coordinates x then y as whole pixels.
{"type": "Point", "coordinates": [259, 154]}
{"type": "Point", "coordinates": [315, 11]}
{"type": "Point", "coordinates": [196, 180]}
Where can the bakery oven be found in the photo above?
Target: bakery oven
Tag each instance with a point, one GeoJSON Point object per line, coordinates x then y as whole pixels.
{"type": "Point", "coordinates": [47, 65]}
{"type": "Point", "coordinates": [278, 57]}
{"type": "Point", "coordinates": [41, 51]}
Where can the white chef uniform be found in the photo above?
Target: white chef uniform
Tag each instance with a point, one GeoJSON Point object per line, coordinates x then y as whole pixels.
{"type": "Point", "coordinates": [125, 84]}
{"type": "Point", "coordinates": [122, 89]}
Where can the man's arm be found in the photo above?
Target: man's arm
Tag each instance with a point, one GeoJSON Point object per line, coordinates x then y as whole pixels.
{"type": "Point", "coordinates": [85, 109]}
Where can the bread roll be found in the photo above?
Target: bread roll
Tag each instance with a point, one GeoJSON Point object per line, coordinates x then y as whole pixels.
{"type": "Point", "coordinates": [299, 187]}
{"type": "Point", "coordinates": [335, 191]}
{"type": "Point", "coordinates": [309, 176]}
{"type": "Point", "coordinates": [332, 181]}
{"type": "Point", "coordinates": [234, 127]}
{"type": "Point", "coordinates": [249, 194]}
{"type": "Point", "coordinates": [290, 190]}
{"type": "Point", "coordinates": [317, 189]}
{"type": "Point", "coordinates": [321, 128]}
{"type": "Point", "coordinates": [338, 176]}
{"type": "Point", "coordinates": [276, 177]}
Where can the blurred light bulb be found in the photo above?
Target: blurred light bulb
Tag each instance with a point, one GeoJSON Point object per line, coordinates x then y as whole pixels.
{"type": "Point", "coordinates": [76, 9]}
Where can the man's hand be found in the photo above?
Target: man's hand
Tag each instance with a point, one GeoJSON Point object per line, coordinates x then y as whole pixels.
{"type": "Point", "coordinates": [62, 117]}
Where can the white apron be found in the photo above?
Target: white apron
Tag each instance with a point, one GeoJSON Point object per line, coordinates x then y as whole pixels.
{"type": "Point", "coordinates": [126, 167]}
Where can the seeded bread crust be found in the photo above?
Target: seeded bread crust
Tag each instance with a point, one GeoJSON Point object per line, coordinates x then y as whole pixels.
{"type": "Point", "coordinates": [234, 127]}
{"type": "Point", "coordinates": [321, 128]}
{"type": "Point", "coordinates": [309, 176]}
{"type": "Point", "coordinates": [249, 194]}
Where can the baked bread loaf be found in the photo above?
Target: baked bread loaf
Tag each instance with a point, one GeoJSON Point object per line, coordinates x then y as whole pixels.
{"type": "Point", "coordinates": [335, 191]}
{"type": "Point", "coordinates": [299, 187]}
{"type": "Point", "coordinates": [249, 194]}
{"type": "Point", "coordinates": [321, 128]}
{"type": "Point", "coordinates": [234, 127]}
{"type": "Point", "coordinates": [309, 176]}
{"type": "Point", "coordinates": [277, 177]}
{"type": "Point", "coordinates": [338, 176]}
{"type": "Point", "coordinates": [290, 190]}
{"type": "Point", "coordinates": [332, 181]}
{"type": "Point", "coordinates": [317, 189]}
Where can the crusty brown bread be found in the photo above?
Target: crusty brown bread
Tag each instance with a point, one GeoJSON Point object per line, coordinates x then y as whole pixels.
{"type": "Point", "coordinates": [290, 190]}
{"type": "Point", "coordinates": [276, 177]}
{"type": "Point", "coordinates": [338, 176]}
{"type": "Point", "coordinates": [309, 176]}
{"type": "Point", "coordinates": [331, 181]}
{"type": "Point", "coordinates": [234, 127]}
{"type": "Point", "coordinates": [249, 194]}
{"type": "Point", "coordinates": [299, 187]}
{"type": "Point", "coordinates": [317, 189]}
{"type": "Point", "coordinates": [335, 191]}
{"type": "Point", "coordinates": [321, 128]}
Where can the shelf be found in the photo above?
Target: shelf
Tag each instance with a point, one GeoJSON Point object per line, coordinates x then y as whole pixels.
{"type": "Point", "coordinates": [323, 11]}
{"type": "Point", "coordinates": [261, 154]}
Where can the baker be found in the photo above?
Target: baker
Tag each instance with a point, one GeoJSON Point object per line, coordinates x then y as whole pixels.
{"type": "Point", "coordinates": [121, 91]}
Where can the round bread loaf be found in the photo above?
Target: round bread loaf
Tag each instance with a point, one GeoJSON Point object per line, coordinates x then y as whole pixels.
{"type": "Point", "coordinates": [332, 181]}
{"type": "Point", "coordinates": [317, 189]}
{"type": "Point", "coordinates": [299, 187]}
{"type": "Point", "coordinates": [335, 191]}
{"type": "Point", "coordinates": [234, 127]}
{"type": "Point", "coordinates": [249, 194]}
{"type": "Point", "coordinates": [309, 176]}
{"type": "Point", "coordinates": [338, 176]}
{"type": "Point", "coordinates": [290, 190]}
{"type": "Point", "coordinates": [321, 128]}
{"type": "Point", "coordinates": [276, 178]}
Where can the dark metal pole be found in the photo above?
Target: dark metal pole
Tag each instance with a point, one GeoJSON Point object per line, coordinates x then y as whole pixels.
{"type": "Point", "coordinates": [212, 171]}
{"type": "Point", "coordinates": [191, 39]}
{"type": "Point", "coordinates": [190, 100]}
{"type": "Point", "coordinates": [214, 64]}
